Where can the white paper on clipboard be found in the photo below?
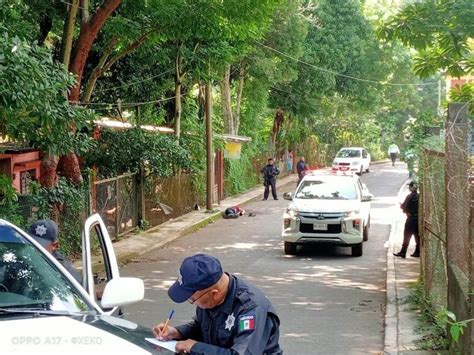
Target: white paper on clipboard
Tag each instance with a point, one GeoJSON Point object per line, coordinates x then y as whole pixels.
{"type": "Point", "coordinates": [169, 345]}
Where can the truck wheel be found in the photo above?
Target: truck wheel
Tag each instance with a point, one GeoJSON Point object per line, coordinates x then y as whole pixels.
{"type": "Point", "coordinates": [290, 248]}
{"type": "Point", "coordinates": [357, 249]}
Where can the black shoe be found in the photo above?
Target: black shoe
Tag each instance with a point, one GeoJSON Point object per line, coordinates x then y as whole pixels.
{"type": "Point", "coordinates": [415, 255]}
{"type": "Point", "coordinates": [276, 198]}
{"type": "Point", "coordinates": [400, 255]}
{"type": "Point", "coordinates": [264, 199]}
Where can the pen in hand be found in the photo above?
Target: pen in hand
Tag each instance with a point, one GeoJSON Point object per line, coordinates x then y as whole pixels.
{"type": "Point", "coordinates": [165, 326]}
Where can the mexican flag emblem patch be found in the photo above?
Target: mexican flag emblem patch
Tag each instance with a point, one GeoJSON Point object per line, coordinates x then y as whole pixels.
{"type": "Point", "coordinates": [246, 323]}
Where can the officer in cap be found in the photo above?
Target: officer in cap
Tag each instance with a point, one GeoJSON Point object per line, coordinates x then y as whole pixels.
{"type": "Point", "coordinates": [232, 316]}
{"type": "Point", "coordinates": [410, 208]}
{"type": "Point", "coordinates": [45, 232]}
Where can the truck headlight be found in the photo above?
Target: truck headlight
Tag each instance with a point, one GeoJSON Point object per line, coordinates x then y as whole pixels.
{"type": "Point", "coordinates": [351, 214]}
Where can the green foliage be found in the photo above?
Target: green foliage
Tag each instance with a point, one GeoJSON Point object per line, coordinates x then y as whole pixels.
{"type": "Point", "coordinates": [119, 152]}
{"type": "Point", "coordinates": [433, 328]}
{"type": "Point", "coordinates": [465, 93]}
{"type": "Point", "coordinates": [33, 107]}
{"type": "Point", "coordinates": [440, 30]}
{"type": "Point", "coordinates": [242, 174]}
{"type": "Point", "coordinates": [9, 202]}
{"type": "Point", "coordinates": [72, 204]}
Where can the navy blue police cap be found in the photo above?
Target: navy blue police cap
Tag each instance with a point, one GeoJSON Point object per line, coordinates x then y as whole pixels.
{"type": "Point", "coordinates": [45, 231]}
{"type": "Point", "coordinates": [196, 273]}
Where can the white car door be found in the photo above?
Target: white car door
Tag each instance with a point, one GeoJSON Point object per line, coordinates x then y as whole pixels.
{"type": "Point", "coordinates": [94, 281]}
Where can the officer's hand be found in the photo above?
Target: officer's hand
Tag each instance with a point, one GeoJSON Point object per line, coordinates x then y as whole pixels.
{"type": "Point", "coordinates": [184, 347]}
{"type": "Point", "coordinates": [169, 334]}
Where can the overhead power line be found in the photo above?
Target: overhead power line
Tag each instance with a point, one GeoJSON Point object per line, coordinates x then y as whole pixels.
{"type": "Point", "coordinates": [344, 75]}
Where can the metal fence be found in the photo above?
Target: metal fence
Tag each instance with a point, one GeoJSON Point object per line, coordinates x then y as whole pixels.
{"type": "Point", "coordinates": [433, 226]}
{"type": "Point", "coordinates": [116, 200]}
{"type": "Point", "coordinates": [167, 198]}
{"type": "Point", "coordinates": [447, 203]}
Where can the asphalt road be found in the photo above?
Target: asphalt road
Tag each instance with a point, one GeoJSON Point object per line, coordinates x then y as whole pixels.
{"type": "Point", "coordinates": [328, 301]}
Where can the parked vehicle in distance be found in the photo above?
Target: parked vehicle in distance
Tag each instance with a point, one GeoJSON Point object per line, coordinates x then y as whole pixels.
{"type": "Point", "coordinates": [43, 309]}
{"type": "Point", "coordinates": [353, 159]}
{"type": "Point", "coordinates": [327, 208]}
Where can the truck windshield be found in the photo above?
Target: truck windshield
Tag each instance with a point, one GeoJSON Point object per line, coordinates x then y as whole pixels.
{"type": "Point", "coordinates": [331, 189]}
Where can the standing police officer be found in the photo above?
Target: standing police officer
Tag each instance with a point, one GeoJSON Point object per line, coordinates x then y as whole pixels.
{"type": "Point", "coordinates": [232, 316]}
{"type": "Point", "coordinates": [270, 171]}
{"type": "Point", "coordinates": [410, 208]}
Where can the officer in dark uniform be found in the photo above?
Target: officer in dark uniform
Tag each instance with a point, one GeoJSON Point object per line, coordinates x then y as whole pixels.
{"type": "Point", "coordinates": [45, 232]}
{"type": "Point", "coordinates": [410, 208]}
{"type": "Point", "coordinates": [232, 316]}
{"type": "Point", "coordinates": [270, 171]}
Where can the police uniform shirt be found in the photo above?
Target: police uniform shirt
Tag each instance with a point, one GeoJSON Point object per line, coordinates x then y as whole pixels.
{"type": "Point", "coordinates": [246, 323]}
{"type": "Point", "coordinates": [410, 206]}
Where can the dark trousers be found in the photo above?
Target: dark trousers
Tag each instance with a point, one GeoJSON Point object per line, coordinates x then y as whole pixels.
{"type": "Point", "coordinates": [411, 228]}
{"type": "Point", "coordinates": [393, 156]}
{"type": "Point", "coordinates": [268, 183]}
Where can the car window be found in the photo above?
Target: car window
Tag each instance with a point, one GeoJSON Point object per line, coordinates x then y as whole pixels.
{"type": "Point", "coordinates": [28, 279]}
{"type": "Point", "coordinates": [331, 189]}
{"type": "Point", "coordinates": [348, 153]}
{"type": "Point", "coordinates": [364, 154]}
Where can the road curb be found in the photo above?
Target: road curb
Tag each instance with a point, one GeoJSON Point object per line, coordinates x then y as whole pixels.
{"type": "Point", "coordinates": [166, 233]}
{"type": "Point", "coordinates": [391, 343]}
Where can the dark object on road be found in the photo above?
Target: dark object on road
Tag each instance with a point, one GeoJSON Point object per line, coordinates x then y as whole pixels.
{"type": "Point", "coordinates": [233, 212]}
{"type": "Point", "coordinates": [270, 171]}
{"type": "Point", "coordinates": [251, 214]}
{"type": "Point", "coordinates": [410, 207]}
{"type": "Point", "coordinates": [232, 316]}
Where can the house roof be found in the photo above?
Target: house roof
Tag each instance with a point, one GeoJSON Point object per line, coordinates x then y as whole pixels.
{"type": "Point", "coordinates": [116, 124]}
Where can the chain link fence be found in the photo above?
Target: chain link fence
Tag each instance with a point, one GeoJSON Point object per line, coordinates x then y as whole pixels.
{"type": "Point", "coordinates": [167, 198]}
{"type": "Point", "coordinates": [116, 201]}
{"type": "Point", "coordinates": [433, 226]}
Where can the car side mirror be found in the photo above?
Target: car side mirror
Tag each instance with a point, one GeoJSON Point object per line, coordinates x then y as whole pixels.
{"type": "Point", "coordinates": [122, 291]}
{"type": "Point", "coordinates": [288, 196]}
{"type": "Point", "coordinates": [367, 197]}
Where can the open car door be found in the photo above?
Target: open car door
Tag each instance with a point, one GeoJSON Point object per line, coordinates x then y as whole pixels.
{"type": "Point", "coordinates": [99, 263]}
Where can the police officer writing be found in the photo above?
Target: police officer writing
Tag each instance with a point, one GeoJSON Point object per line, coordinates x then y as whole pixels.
{"type": "Point", "coordinates": [410, 207]}
{"type": "Point", "coordinates": [270, 171]}
{"type": "Point", "coordinates": [232, 316]}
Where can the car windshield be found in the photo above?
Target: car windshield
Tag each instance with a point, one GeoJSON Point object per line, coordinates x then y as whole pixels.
{"type": "Point", "coordinates": [348, 153]}
{"type": "Point", "coordinates": [29, 280]}
{"type": "Point", "coordinates": [330, 189]}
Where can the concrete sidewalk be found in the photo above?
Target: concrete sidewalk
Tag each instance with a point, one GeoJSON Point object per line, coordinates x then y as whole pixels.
{"type": "Point", "coordinates": [138, 243]}
{"type": "Point", "coordinates": [400, 321]}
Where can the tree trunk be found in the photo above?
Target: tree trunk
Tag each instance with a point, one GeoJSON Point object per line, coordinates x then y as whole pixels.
{"type": "Point", "coordinates": [69, 168]}
{"type": "Point", "coordinates": [98, 70]}
{"type": "Point", "coordinates": [84, 11]}
{"type": "Point", "coordinates": [277, 125]}
{"type": "Point", "coordinates": [105, 63]}
{"type": "Point", "coordinates": [88, 34]}
{"type": "Point", "coordinates": [68, 32]}
{"type": "Point", "coordinates": [226, 102]}
{"type": "Point", "coordinates": [177, 106]}
{"type": "Point", "coordinates": [239, 98]}
{"type": "Point", "coordinates": [48, 175]}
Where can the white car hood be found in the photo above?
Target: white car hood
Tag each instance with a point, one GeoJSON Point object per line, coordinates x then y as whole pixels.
{"type": "Point", "coordinates": [61, 335]}
{"type": "Point", "coordinates": [347, 160]}
{"type": "Point", "coordinates": [306, 205]}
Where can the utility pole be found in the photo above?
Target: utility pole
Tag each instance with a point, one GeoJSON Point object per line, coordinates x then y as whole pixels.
{"type": "Point", "coordinates": [209, 149]}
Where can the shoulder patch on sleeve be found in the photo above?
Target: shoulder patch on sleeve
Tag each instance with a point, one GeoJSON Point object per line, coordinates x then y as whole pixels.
{"type": "Point", "coordinates": [246, 323]}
